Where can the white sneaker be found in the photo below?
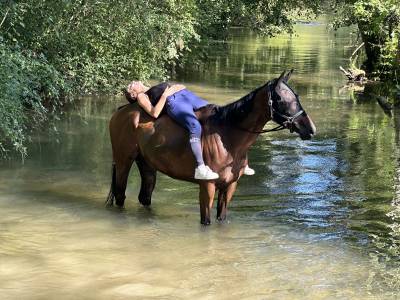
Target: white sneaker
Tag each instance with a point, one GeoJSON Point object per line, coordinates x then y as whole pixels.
{"type": "Point", "coordinates": [203, 172]}
{"type": "Point", "coordinates": [249, 171]}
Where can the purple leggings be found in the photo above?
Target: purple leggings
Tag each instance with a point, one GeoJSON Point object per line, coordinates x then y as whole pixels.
{"type": "Point", "coordinates": [181, 107]}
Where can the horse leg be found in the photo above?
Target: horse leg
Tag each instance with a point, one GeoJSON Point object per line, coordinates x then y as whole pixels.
{"type": "Point", "coordinates": [111, 194]}
{"type": "Point", "coordinates": [148, 176]}
{"type": "Point", "coordinates": [122, 169]}
{"type": "Point", "coordinates": [206, 197]}
{"type": "Point", "coordinates": [224, 197]}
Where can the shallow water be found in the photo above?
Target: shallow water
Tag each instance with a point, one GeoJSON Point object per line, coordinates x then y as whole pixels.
{"type": "Point", "coordinates": [317, 221]}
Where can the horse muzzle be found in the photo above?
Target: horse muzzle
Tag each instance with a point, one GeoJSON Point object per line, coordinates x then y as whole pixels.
{"type": "Point", "coordinates": [304, 126]}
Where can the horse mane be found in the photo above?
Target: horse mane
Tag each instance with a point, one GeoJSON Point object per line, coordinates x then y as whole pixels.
{"type": "Point", "coordinates": [235, 112]}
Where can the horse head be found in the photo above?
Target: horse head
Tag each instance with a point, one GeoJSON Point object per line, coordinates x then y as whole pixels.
{"type": "Point", "coordinates": [286, 110]}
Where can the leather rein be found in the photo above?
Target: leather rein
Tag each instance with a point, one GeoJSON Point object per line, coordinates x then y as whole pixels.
{"type": "Point", "coordinates": [288, 124]}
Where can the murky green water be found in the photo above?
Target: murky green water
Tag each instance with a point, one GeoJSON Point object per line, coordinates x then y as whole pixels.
{"type": "Point", "coordinates": [317, 221]}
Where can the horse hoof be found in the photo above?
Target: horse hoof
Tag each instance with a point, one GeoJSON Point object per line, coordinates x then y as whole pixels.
{"type": "Point", "coordinates": [145, 202]}
{"type": "Point", "coordinates": [221, 220]}
{"type": "Point", "coordinates": [205, 222]}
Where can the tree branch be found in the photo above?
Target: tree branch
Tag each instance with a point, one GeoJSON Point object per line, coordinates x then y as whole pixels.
{"type": "Point", "coordinates": [4, 18]}
{"type": "Point", "coordinates": [358, 48]}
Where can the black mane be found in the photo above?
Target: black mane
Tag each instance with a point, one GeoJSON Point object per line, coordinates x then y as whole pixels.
{"type": "Point", "coordinates": [235, 112]}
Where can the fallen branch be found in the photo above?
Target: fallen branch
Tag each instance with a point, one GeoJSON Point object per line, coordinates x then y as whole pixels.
{"type": "Point", "coordinates": [356, 75]}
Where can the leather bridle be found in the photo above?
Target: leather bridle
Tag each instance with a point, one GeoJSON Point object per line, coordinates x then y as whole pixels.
{"type": "Point", "coordinates": [289, 120]}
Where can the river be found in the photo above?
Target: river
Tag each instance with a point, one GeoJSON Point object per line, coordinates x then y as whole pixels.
{"type": "Point", "coordinates": [319, 220]}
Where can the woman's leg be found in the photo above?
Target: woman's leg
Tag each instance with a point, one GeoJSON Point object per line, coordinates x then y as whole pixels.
{"type": "Point", "coordinates": [195, 144]}
{"type": "Point", "coordinates": [182, 112]}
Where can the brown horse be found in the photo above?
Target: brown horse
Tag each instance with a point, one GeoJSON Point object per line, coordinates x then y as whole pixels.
{"type": "Point", "coordinates": [228, 132]}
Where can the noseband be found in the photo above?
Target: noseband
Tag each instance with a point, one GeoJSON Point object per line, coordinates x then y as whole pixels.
{"type": "Point", "coordinates": [289, 123]}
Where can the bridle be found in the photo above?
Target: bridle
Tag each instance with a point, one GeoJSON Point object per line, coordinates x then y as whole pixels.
{"type": "Point", "coordinates": [289, 120]}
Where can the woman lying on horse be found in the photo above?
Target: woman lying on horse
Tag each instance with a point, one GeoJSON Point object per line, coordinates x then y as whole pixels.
{"type": "Point", "coordinates": [156, 142]}
{"type": "Point", "coordinates": [181, 105]}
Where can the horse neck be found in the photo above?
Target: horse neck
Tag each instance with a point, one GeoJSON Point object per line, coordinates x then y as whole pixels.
{"type": "Point", "coordinates": [245, 131]}
{"type": "Point", "coordinates": [259, 115]}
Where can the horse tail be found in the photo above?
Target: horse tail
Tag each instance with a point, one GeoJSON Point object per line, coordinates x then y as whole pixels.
{"type": "Point", "coordinates": [111, 194]}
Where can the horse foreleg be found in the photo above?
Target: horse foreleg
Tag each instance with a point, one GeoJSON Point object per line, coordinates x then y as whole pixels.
{"type": "Point", "coordinates": [206, 197]}
{"type": "Point", "coordinates": [148, 176]}
{"type": "Point", "coordinates": [224, 197]}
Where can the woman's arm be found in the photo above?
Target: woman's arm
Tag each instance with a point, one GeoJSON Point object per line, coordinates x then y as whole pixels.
{"type": "Point", "coordinates": [155, 111]}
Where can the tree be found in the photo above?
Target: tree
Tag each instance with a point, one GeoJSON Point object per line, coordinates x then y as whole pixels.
{"type": "Point", "coordinates": [378, 23]}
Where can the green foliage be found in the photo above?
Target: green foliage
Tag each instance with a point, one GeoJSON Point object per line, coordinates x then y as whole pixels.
{"type": "Point", "coordinates": [30, 88]}
{"type": "Point", "coordinates": [267, 17]}
{"type": "Point", "coordinates": [99, 43]}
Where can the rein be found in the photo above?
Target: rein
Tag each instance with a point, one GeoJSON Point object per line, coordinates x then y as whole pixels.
{"type": "Point", "coordinates": [287, 124]}
{"type": "Point", "coordinates": [277, 128]}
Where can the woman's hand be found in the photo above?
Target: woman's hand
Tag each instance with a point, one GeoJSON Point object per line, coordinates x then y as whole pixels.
{"type": "Point", "coordinates": [169, 91]}
{"type": "Point", "coordinates": [155, 111]}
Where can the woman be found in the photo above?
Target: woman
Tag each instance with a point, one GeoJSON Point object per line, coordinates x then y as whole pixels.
{"type": "Point", "coordinates": [181, 105]}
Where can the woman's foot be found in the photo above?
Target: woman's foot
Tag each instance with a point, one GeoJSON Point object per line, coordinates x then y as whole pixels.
{"type": "Point", "coordinates": [203, 172]}
{"type": "Point", "coordinates": [248, 171]}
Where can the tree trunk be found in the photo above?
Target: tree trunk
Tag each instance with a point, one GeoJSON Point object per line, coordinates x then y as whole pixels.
{"type": "Point", "coordinates": [372, 49]}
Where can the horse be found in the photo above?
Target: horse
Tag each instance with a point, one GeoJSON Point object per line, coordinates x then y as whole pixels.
{"type": "Point", "coordinates": [228, 133]}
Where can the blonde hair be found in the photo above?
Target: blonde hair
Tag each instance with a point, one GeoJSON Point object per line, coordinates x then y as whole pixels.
{"type": "Point", "coordinates": [133, 84]}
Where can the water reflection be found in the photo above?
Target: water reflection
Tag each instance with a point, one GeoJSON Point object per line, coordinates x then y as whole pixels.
{"type": "Point", "coordinates": [318, 220]}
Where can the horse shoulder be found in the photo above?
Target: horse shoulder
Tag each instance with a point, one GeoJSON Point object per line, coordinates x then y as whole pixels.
{"type": "Point", "coordinates": [215, 150]}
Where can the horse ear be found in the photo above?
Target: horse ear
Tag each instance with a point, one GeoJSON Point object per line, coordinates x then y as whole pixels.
{"type": "Point", "coordinates": [287, 76]}
{"type": "Point", "coordinates": [281, 78]}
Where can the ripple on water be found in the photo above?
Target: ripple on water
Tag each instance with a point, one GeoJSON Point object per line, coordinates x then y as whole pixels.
{"type": "Point", "coordinates": [303, 179]}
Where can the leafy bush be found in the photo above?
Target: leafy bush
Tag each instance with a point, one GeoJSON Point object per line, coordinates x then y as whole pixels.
{"type": "Point", "coordinates": [25, 82]}
{"type": "Point", "coordinates": [99, 43]}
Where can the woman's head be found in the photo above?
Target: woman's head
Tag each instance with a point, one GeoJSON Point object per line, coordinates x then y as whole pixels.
{"type": "Point", "coordinates": [135, 88]}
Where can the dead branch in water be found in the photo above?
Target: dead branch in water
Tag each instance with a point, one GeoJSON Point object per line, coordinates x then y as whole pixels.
{"type": "Point", "coordinates": [356, 75]}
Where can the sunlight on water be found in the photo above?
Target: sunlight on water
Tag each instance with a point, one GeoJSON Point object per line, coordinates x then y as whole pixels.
{"type": "Point", "coordinates": [317, 220]}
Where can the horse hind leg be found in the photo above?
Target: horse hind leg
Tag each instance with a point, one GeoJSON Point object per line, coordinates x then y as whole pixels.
{"type": "Point", "coordinates": [111, 195]}
{"type": "Point", "coordinates": [120, 174]}
{"type": "Point", "coordinates": [148, 177]}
